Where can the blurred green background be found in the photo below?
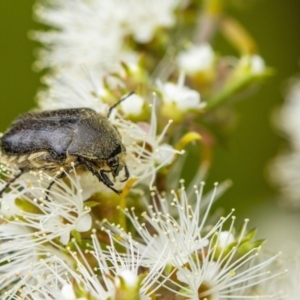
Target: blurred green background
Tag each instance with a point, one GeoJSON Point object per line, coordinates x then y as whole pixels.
{"type": "Point", "coordinates": [275, 26]}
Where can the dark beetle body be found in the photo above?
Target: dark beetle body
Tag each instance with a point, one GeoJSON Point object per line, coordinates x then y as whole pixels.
{"type": "Point", "coordinates": [51, 140]}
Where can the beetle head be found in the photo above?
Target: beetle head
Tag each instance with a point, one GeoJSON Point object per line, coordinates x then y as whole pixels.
{"type": "Point", "coordinates": [116, 161]}
{"type": "Point", "coordinates": [114, 165]}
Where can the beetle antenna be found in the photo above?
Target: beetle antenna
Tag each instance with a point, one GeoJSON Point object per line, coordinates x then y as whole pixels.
{"type": "Point", "coordinates": [117, 103]}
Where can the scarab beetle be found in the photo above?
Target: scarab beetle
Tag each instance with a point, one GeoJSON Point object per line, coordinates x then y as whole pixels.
{"type": "Point", "coordinates": [50, 140]}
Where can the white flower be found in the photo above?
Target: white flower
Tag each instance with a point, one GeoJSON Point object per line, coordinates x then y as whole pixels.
{"type": "Point", "coordinates": [56, 276]}
{"type": "Point", "coordinates": [92, 33]}
{"type": "Point", "coordinates": [146, 152]}
{"type": "Point", "coordinates": [196, 58]}
{"type": "Point", "coordinates": [50, 279]}
{"type": "Point", "coordinates": [24, 262]}
{"type": "Point", "coordinates": [257, 64]}
{"type": "Point", "coordinates": [253, 63]}
{"type": "Point", "coordinates": [284, 170]}
{"type": "Point", "coordinates": [128, 267]}
{"type": "Point", "coordinates": [179, 236]}
{"type": "Point", "coordinates": [283, 286]}
{"type": "Point", "coordinates": [53, 278]}
{"type": "Point", "coordinates": [65, 91]}
{"type": "Point", "coordinates": [133, 105]}
{"type": "Point", "coordinates": [226, 278]}
{"type": "Point", "coordinates": [146, 17]}
{"type": "Point", "coordinates": [68, 292]}
{"type": "Point", "coordinates": [208, 261]}
{"type": "Point", "coordinates": [217, 272]}
{"type": "Point", "coordinates": [225, 238]}
{"type": "Point", "coordinates": [179, 95]}
{"type": "Point", "coordinates": [290, 283]}
{"type": "Point", "coordinates": [18, 252]}
{"type": "Point", "coordinates": [8, 199]}
{"type": "Point", "coordinates": [287, 119]}
{"type": "Point", "coordinates": [164, 155]}
{"type": "Point", "coordinates": [85, 34]}
{"type": "Point", "coordinates": [63, 212]}
{"type": "Point", "coordinates": [183, 97]}
{"type": "Point", "coordinates": [114, 267]}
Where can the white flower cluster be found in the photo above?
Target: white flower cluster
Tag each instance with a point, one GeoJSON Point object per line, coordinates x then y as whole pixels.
{"type": "Point", "coordinates": [202, 255]}
{"type": "Point", "coordinates": [87, 42]}
{"type": "Point", "coordinates": [92, 33]}
{"type": "Point", "coordinates": [208, 260]}
{"type": "Point", "coordinates": [284, 170]}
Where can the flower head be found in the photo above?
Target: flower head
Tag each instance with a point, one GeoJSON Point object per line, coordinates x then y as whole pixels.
{"type": "Point", "coordinates": [48, 214]}
{"type": "Point", "coordinates": [226, 274]}
{"type": "Point", "coordinates": [177, 99]}
{"type": "Point", "coordinates": [208, 260]}
{"type": "Point", "coordinates": [196, 59]}
{"type": "Point", "coordinates": [183, 97]}
{"type": "Point", "coordinates": [284, 169]}
{"type": "Point", "coordinates": [146, 152]}
{"type": "Point", "coordinates": [26, 265]}
{"type": "Point", "coordinates": [148, 17]}
{"type": "Point", "coordinates": [252, 64]}
{"type": "Point", "coordinates": [93, 33]}
{"type": "Point", "coordinates": [132, 106]}
{"type": "Point", "coordinates": [287, 119]}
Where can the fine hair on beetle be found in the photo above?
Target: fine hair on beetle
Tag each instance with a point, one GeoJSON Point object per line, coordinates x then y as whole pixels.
{"type": "Point", "coordinates": [53, 140]}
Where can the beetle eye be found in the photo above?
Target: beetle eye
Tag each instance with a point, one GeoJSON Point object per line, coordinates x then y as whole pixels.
{"type": "Point", "coordinates": [112, 161]}
{"type": "Point", "coordinates": [116, 151]}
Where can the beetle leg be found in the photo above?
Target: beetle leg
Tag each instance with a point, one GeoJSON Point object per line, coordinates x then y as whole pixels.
{"type": "Point", "coordinates": [126, 174]}
{"type": "Point", "coordinates": [91, 169]}
{"type": "Point", "coordinates": [11, 181]}
{"type": "Point", "coordinates": [99, 175]}
{"type": "Point", "coordinates": [105, 177]}
{"type": "Point", "coordinates": [113, 189]}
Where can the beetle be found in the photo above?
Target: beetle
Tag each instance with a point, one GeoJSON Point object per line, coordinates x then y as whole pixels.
{"type": "Point", "coordinates": [55, 139]}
